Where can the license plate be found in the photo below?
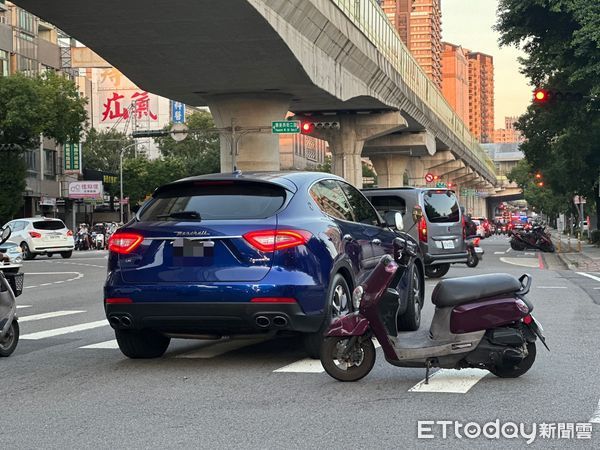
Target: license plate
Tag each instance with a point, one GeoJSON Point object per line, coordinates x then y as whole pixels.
{"type": "Point", "coordinates": [448, 244]}
{"type": "Point", "coordinates": [189, 251]}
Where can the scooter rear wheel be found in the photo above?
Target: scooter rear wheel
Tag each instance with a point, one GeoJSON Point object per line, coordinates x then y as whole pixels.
{"type": "Point", "coordinates": [355, 364]}
{"type": "Point", "coordinates": [514, 371]}
{"type": "Point", "coordinates": [472, 259]}
{"type": "Point", "coordinates": [9, 343]}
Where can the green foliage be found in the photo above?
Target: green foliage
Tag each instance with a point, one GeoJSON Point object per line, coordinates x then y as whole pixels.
{"type": "Point", "coordinates": [29, 106]}
{"type": "Point", "coordinates": [142, 176]}
{"type": "Point", "coordinates": [326, 166]}
{"type": "Point", "coordinates": [200, 151]}
{"type": "Point", "coordinates": [101, 150]}
{"type": "Point", "coordinates": [561, 39]}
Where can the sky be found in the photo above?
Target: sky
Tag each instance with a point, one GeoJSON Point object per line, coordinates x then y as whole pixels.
{"type": "Point", "coordinates": [469, 23]}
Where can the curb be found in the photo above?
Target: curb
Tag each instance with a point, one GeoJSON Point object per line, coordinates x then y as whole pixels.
{"type": "Point", "coordinates": [567, 262]}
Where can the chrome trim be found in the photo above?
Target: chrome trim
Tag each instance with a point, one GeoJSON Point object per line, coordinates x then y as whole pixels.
{"type": "Point", "coordinates": [192, 238]}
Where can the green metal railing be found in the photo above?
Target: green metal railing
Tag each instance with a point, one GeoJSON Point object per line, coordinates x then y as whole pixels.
{"type": "Point", "coordinates": [368, 16]}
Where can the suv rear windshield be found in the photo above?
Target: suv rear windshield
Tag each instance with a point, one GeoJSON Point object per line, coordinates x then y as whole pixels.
{"type": "Point", "coordinates": [386, 203]}
{"type": "Point", "coordinates": [49, 225]}
{"type": "Point", "coordinates": [215, 200]}
{"type": "Point", "coordinates": [441, 206]}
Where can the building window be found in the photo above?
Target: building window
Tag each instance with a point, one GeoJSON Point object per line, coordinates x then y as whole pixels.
{"type": "Point", "coordinates": [31, 160]}
{"type": "Point", "coordinates": [4, 61]}
{"type": "Point", "coordinates": [49, 163]}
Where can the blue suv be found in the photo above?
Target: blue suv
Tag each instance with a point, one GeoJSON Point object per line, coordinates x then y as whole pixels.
{"type": "Point", "coordinates": [241, 254]}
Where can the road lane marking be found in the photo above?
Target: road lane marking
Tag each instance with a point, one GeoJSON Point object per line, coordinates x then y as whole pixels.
{"type": "Point", "coordinates": [51, 273]}
{"type": "Point", "coordinates": [596, 417]}
{"type": "Point", "coordinates": [499, 253]}
{"type": "Point", "coordinates": [48, 315]}
{"type": "Point", "coordinates": [218, 348]}
{"type": "Point", "coordinates": [524, 262]}
{"type": "Point", "coordinates": [65, 330]}
{"type": "Point", "coordinates": [23, 306]}
{"type": "Point", "coordinates": [588, 275]}
{"type": "Point", "coordinates": [451, 381]}
{"type": "Point", "coordinates": [541, 261]}
{"type": "Point", "coordinates": [551, 287]}
{"type": "Point", "coordinates": [309, 365]}
{"type": "Point", "coordinates": [112, 344]}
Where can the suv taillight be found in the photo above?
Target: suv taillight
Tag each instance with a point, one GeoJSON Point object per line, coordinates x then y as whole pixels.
{"type": "Point", "coordinates": [124, 243]}
{"type": "Point", "coordinates": [69, 233]}
{"type": "Point", "coordinates": [422, 227]}
{"type": "Point", "coordinates": [272, 240]}
{"type": "Point", "coordinates": [35, 234]}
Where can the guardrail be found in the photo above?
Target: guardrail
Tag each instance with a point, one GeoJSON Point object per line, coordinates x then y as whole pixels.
{"type": "Point", "coordinates": [368, 16]}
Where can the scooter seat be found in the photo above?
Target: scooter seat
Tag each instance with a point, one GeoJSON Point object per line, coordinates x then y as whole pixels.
{"type": "Point", "coordinates": [457, 291]}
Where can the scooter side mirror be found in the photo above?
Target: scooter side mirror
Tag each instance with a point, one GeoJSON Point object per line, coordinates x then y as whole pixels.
{"type": "Point", "coordinates": [6, 232]}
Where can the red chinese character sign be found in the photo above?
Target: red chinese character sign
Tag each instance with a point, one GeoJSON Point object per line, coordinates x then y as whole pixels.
{"type": "Point", "coordinates": [117, 107]}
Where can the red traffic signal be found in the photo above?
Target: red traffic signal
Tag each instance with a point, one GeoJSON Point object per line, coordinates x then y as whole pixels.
{"type": "Point", "coordinates": [307, 127]}
{"type": "Point", "coordinates": [540, 95]}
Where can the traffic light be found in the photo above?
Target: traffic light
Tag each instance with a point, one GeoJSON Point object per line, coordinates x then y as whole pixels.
{"type": "Point", "coordinates": [540, 96]}
{"type": "Point", "coordinates": [539, 179]}
{"type": "Point", "coordinates": [543, 96]}
{"type": "Point", "coordinates": [307, 127]}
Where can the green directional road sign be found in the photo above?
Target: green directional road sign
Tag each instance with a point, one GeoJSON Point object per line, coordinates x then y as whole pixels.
{"type": "Point", "coordinates": [285, 127]}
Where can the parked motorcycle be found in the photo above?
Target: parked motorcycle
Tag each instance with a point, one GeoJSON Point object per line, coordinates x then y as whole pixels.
{"type": "Point", "coordinates": [536, 238]}
{"type": "Point", "coordinates": [11, 286]}
{"type": "Point", "coordinates": [482, 321]}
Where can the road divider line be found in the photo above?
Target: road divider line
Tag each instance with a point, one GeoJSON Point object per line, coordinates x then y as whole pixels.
{"type": "Point", "coordinates": [523, 262]}
{"type": "Point", "coordinates": [583, 274]}
{"type": "Point", "coordinates": [112, 344]}
{"type": "Point", "coordinates": [65, 330]}
{"type": "Point", "coordinates": [551, 287]}
{"type": "Point", "coordinates": [49, 315]}
{"type": "Point", "coordinates": [450, 381]}
{"type": "Point", "coordinates": [23, 306]}
{"type": "Point", "coordinates": [596, 417]}
{"type": "Point", "coordinates": [499, 253]}
{"type": "Point", "coordinates": [218, 348]}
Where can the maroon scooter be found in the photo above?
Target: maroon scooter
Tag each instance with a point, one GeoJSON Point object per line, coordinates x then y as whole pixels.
{"type": "Point", "coordinates": [481, 321]}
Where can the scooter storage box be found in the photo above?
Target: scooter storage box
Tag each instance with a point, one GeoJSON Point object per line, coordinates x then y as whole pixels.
{"type": "Point", "coordinates": [15, 280]}
{"type": "Point", "coordinates": [483, 315]}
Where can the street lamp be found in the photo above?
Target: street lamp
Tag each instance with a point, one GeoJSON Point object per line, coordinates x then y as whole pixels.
{"type": "Point", "coordinates": [121, 177]}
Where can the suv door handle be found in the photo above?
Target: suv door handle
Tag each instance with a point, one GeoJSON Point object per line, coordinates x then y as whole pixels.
{"type": "Point", "coordinates": [348, 238]}
{"type": "Point", "coordinates": [376, 241]}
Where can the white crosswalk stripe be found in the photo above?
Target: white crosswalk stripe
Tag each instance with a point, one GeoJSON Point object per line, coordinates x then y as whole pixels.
{"type": "Point", "coordinates": [111, 345]}
{"type": "Point", "coordinates": [49, 315]}
{"type": "Point", "coordinates": [65, 330]}
{"type": "Point", "coordinates": [451, 381]}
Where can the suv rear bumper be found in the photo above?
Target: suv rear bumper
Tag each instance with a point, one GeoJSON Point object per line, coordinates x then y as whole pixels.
{"type": "Point", "coordinates": [448, 258]}
{"type": "Point", "coordinates": [213, 319]}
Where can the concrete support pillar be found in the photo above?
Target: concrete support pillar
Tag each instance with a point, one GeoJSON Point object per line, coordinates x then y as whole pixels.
{"type": "Point", "coordinates": [347, 142]}
{"type": "Point", "coordinates": [256, 150]}
{"type": "Point", "coordinates": [390, 169]}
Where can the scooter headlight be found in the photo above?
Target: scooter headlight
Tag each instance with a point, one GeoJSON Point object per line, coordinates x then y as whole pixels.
{"type": "Point", "coordinates": [357, 296]}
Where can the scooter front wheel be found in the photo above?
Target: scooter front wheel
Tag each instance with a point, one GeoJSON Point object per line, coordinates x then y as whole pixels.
{"type": "Point", "coordinates": [345, 360]}
{"type": "Point", "coordinates": [10, 340]}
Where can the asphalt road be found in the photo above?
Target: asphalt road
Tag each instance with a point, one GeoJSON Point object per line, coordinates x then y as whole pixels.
{"type": "Point", "coordinates": [67, 386]}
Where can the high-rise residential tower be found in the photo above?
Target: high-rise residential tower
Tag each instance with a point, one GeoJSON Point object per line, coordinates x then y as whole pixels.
{"type": "Point", "coordinates": [481, 95]}
{"type": "Point", "coordinates": [425, 41]}
{"type": "Point", "coordinates": [455, 79]}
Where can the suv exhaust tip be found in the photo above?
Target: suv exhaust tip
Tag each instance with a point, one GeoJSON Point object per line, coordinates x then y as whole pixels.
{"type": "Point", "coordinates": [280, 321]}
{"type": "Point", "coordinates": [262, 321]}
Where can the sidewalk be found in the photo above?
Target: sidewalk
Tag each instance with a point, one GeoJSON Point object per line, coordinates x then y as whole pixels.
{"type": "Point", "coordinates": [588, 260]}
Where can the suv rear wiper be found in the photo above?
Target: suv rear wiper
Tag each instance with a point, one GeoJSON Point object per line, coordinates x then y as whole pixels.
{"type": "Point", "coordinates": [181, 215]}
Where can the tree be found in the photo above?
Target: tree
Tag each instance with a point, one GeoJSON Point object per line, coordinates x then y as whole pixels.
{"type": "Point", "coordinates": [561, 39]}
{"type": "Point", "coordinates": [200, 151]}
{"type": "Point", "coordinates": [48, 104]}
{"type": "Point", "coordinates": [101, 150]}
{"type": "Point", "coordinates": [142, 176]}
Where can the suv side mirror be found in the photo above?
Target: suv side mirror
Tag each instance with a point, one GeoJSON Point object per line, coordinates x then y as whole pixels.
{"type": "Point", "coordinates": [5, 234]}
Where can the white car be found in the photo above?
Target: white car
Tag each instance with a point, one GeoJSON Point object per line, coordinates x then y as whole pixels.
{"type": "Point", "coordinates": [41, 235]}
